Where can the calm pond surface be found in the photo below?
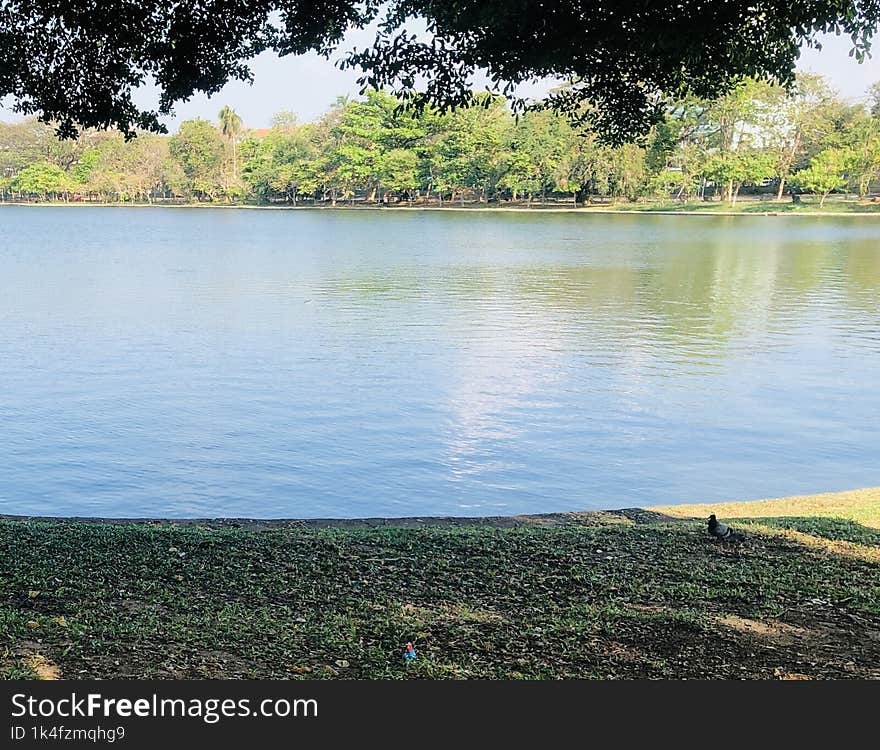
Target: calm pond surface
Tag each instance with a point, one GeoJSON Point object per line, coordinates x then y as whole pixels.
{"type": "Point", "coordinates": [186, 362]}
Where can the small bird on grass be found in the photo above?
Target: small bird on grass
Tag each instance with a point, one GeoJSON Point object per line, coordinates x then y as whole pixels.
{"type": "Point", "coordinates": [723, 532]}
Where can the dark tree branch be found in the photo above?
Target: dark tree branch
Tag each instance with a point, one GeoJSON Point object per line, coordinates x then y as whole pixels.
{"type": "Point", "coordinates": [77, 63]}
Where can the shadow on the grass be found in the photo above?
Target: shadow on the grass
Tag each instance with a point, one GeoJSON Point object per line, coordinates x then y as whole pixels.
{"type": "Point", "coordinates": [833, 529]}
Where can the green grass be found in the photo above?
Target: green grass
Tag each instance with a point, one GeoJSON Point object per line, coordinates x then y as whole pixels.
{"type": "Point", "coordinates": [806, 206]}
{"type": "Point", "coordinates": [858, 506]}
{"type": "Point", "coordinates": [800, 597]}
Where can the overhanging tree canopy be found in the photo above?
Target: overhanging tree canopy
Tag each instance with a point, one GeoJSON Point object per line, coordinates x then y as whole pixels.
{"type": "Point", "coordinates": [77, 62]}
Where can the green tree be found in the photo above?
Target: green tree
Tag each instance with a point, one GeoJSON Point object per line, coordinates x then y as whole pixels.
{"type": "Point", "coordinates": [627, 170]}
{"type": "Point", "coordinates": [283, 164]}
{"type": "Point", "coordinates": [370, 148]}
{"type": "Point", "coordinates": [21, 144]}
{"type": "Point", "coordinates": [81, 172]}
{"type": "Point", "coordinates": [736, 168]}
{"type": "Point", "coordinates": [677, 150]}
{"type": "Point", "coordinates": [826, 173]}
{"type": "Point", "coordinates": [125, 171]}
{"type": "Point", "coordinates": [674, 181]}
{"type": "Point", "coordinates": [469, 156]}
{"type": "Point", "coordinates": [42, 179]}
{"type": "Point", "coordinates": [364, 133]}
{"type": "Point", "coordinates": [579, 168]}
{"type": "Point", "coordinates": [862, 139]}
{"type": "Point", "coordinates": [623, 59]}
{"type": "Point", "coordinates": [536, 146]}
{"type": "Point", "coordinates": [732, 139]}
{"type": "Point", "coordinates": [399, 172]}
{"type": "Point", "coordinates": [29, 141]}
{"type": "Point", "coordinates": [790, 121]}
{"type": "Point", "coordinates": [199, 150]}
{"type": "Point", "coordinates": [230, 129]}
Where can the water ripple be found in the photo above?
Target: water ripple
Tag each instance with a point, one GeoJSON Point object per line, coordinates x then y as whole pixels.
{"type": "Point", "coordinates": [296, 364]}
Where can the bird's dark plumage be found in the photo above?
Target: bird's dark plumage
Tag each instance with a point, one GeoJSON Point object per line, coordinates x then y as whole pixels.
{"type": "Point", "coordinates": [723, 532]}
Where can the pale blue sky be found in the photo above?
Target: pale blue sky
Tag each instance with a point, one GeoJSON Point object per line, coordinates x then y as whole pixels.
{"type": "Point", "coordinates": [309, 84]}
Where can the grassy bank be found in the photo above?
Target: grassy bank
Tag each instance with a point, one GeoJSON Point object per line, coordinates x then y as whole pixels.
{"type": "Point", "coordinates": [761, 208]}
{"type": "Point", "coordinates": [630, 594]}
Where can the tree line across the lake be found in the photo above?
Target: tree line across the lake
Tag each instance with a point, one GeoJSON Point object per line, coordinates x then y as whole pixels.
{"type": "Point", "coordinates": [758, 138]}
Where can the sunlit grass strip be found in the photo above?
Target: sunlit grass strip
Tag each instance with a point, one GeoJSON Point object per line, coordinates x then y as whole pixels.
{"type": "Point", "coordinates": [861, 506]}
{"type": "Point", "coordinates": [811, 541]}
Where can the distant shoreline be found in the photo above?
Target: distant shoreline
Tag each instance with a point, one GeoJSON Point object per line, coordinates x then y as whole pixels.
{"type": "Point", "coordinates": [747, 210]}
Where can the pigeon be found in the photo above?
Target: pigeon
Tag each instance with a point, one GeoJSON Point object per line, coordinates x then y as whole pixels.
{"type": "Point", "coordinates": [723, 532]}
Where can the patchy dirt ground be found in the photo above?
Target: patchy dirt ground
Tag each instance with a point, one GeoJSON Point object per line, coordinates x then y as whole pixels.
{"type": "Point", "coordinates": [622, 595]}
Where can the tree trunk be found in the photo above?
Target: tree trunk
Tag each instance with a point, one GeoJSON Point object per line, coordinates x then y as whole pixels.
{"type": "Point", "coordinates": [784, 174]}
{"type": "Point", "coordinates": [781, 189]}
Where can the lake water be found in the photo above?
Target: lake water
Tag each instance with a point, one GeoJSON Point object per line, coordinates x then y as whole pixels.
{"type": "Point", "coordinates": [186, 362]}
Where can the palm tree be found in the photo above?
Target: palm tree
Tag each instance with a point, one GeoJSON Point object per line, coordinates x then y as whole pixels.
{"type": "Point", "coordinates": [230, 127]}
